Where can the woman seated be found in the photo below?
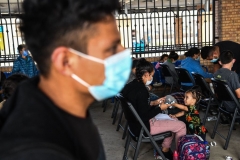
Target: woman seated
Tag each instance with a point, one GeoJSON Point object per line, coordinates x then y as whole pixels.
{"type": "Point", "coordinates": [137, 94]}
{"type": "Point", "coordinates": [192, 64]}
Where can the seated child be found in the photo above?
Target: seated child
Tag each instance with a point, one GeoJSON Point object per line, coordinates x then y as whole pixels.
{"type": "Point", "coordinates": [193, 121]}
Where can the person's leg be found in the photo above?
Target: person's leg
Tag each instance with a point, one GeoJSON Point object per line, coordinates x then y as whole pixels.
{"type": "Point", "coordinates": [177, 127]}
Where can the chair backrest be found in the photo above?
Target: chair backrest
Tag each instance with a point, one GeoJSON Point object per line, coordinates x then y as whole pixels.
{"type": "Point", "coordinates": [223, 91]}
{"type": "Point", "coordinates": [130, 112]}
{"type": "Point", "coordinates": [184, 76]}
{"type": "Point", "coordinates": [165, 70]}
{"type": "Point", "coordinates": [200, 81]}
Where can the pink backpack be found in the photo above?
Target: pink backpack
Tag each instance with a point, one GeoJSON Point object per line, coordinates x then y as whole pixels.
{"type": "Point", "coordinates": [192, 147]}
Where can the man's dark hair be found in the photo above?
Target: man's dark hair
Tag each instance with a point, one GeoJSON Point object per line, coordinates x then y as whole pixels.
{"type": "Point", "coordinates": [143, 66]}
{"type": "Point", "coordinates": [11, 83]}
{"type": "Point", "coordinates": [20, 47]}
{"type": "Point", "coordinates": [192, 51]}
{"type": "Point", "coordinates": [47, 24]}
{"type": "Point", "coordinates": [205, 51]}
{"type": "Point", "coordinates": [226, 57]}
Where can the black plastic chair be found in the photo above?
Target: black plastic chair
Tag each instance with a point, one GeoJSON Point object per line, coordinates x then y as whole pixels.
{"type": "Point", "coordinates": [209, 96]}
{"type": "Point", "coordinates": [117, 103]}
{"type": "Point", "coordinates": [166, 72]}
{"type": "Point", "coordinates": [184, 77]}
{"type": "Point", "coordinates": [130, 112]}
{"type": "Point", "coordinates": [224, 93]}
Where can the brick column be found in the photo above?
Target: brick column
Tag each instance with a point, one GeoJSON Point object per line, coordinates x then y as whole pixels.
{"type": "Point", "coordinates": [229, 20]}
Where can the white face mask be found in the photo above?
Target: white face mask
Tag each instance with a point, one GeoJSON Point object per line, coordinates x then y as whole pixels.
{"type": "Point", "coordinates": [117, 71]}
{"type": "Point", "coordinates": [148, 82]}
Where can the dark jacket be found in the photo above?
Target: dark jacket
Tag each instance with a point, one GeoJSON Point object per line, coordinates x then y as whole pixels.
{"type": "Point", "coordinates": [33, 127]}
{"type": "Point", "coordinates": [137, 94]}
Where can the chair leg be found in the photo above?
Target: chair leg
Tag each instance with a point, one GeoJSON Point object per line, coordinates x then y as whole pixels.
{"type": "Point", "coordinates": [216, 125]}
{"type": "Point", "coordinates": [105, 105]}
{"type": "Point", "coordinates": [125, 130]}
{"type": "Point", "coordinates": [114, 107]}
{"type": "Point", "coordinates": [115, 115]}
{"type": "Point", "coordinates": [171, 88]}
{"type": "Point", "coordinates": [128, 140]}
{"type": "Point", "coordinates": [165, 87]}
{"type": "Point", "coordinates": [230, 130]}
{"type": "Point", "coordinates": [119, 120]}
{"type": "Point", "coordinates": [206, 113]}
{"type": "Point", "coordinates": [138, 146]}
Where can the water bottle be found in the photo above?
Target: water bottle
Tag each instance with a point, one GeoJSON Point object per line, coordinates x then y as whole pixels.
{"type": "Point", "coordinates": [211, 118]}
{"type": "Point", "coordinates": [207, 149]}
{"type": "Point", "coordinates": [175, 155]}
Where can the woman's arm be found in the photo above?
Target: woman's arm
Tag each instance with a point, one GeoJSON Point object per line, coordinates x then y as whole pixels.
{"type": "Point", "coordinates": [157, 102]}
{"type": "Point", "coordinates": [180, 106]}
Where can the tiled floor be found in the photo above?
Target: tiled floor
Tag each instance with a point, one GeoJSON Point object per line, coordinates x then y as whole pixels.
{"type": "Point", "coordinates": [114, 145]}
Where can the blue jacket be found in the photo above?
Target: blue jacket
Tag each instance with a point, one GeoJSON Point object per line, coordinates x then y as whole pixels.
{"type": "Point", "coordinates": [194, 66]}
{"type": "Point", "coordinates": [25, 66]}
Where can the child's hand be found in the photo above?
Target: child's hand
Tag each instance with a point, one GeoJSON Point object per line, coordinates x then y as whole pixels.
{"type": "Point", "coordinates": [161, 100]}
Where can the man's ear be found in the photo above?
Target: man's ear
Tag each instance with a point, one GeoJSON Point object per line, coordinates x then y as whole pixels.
{"type": "Point", "coordinates": [61, 59]}
{"type": "Point", "coordinates": [220, 63]}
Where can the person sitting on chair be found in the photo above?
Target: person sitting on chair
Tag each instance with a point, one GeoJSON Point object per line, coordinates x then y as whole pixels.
{"type": "Point", "coordinates": [225, 74]}
{"type": "Point", "coordinates": [136, 93]}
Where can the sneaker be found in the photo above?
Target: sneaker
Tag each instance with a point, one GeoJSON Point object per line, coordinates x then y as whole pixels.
{"type": "Point", "coordinates": [157, 84]}
{"type": "Point", "coordinates": [169, 154]}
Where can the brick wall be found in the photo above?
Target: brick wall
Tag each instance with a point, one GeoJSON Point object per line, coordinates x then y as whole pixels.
{"type": "Point", "coordinates": [229, 20]}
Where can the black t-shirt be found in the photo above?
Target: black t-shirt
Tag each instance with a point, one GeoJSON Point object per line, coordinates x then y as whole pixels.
{"type": "Point", "coordinates": [33, 127]}
{"type": "Point", "coordinates": [234, 48]}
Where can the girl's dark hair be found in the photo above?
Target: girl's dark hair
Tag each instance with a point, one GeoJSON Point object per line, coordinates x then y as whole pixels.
{"type": "Point", "coordinates": [143, 66]}
{"type": "Point", "coordinates": [196, 93]}
{"type": "Point", "coordinates": [134, 63]}
{"type": "Point", "coordinates": [173, 55]}
{"type": "Point", "coordinates": [163, 56]}
{"type": "Point", "coordinates": [192, 51]}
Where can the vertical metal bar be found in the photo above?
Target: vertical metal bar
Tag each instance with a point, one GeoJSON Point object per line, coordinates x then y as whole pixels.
{"type": "Point", "coordinates": [10, 14]}
{"type": "Point", "coordinates": [162, 28]}
{"type": "Point", "coordinates": [214, 21]}
{"type": "Point", "coordinates": [3, 32]}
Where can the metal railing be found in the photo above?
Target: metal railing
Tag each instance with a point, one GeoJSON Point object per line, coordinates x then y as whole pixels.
{"type": "Point", "coordinates": [148, 27]}
{"type": "Point", "coordinates": [153, 27]}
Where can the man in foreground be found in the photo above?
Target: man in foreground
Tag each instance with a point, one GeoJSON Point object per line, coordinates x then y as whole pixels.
{"type": "Point", "coordinates": [76, 45]}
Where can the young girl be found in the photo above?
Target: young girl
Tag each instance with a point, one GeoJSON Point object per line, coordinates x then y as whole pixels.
{"type": "Point", "coordinates": [193, 121]}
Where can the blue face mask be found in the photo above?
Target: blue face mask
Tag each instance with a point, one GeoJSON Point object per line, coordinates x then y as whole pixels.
{"type": "Point", "coordinates": [25, 53]}
{"type": "Point", "coordinates": [117, 71]}
{"type": "Point", "coordinates": [198, 59]}
{"type": "Point", "coordinates": [214, 60]}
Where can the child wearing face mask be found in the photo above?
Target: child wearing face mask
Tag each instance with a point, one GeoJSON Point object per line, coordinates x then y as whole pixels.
{"type": "Point", "coordinates": [193, 121]}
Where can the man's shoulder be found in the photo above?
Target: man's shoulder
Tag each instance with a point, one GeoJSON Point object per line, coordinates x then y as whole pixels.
{"type": "Point", "coordinates": [224, 74]}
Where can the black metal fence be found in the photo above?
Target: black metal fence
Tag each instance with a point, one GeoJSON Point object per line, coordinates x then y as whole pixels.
{"type": "Point", "coordinates": [153, 27]}
{"type": "Point", "coordinates": [149, 27]}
